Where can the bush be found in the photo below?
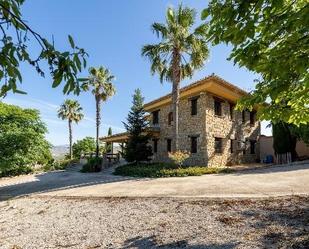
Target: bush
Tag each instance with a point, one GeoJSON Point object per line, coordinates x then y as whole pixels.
{"type": "Point", "coordinates": [58, 164]}
{"type": "Point", "coordinates": [166, 170]}
{"type": "Point", "coordinates": [22, 140]}
{"type": "Point", "coordinates": [178, 157]}
{"type": "Point", "coordinates": [93, 165]}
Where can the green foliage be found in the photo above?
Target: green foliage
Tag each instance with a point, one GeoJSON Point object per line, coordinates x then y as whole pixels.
{"type": "Point", "coordinates": [58, 164]}
{"type": "Point", "coordinates": [22, 140]}
{"type": "Point", "coordinates": [166, 170]}
{"type": "Point", "coordinates": [270, 38]}
{"type": "Point", "coordinates": [108, 146]}
{"type": "Point", "coordinates": [86, 145]}
{"type": "Point", "coordinates": [100, 82]}
{"type": "Point", "coordinates": [72, 111]}
{"type": "Point", "coordinates": [137, 148]}
{"type": "Point", "coordinates": [181, 48]}
{"type": "Point", "coordinates": [301, 132]}
{"type": "Point", "coordinates": [284, 140]}
{"type": "Point", "coordinates": [94, 164]}
{"type": "Point", "coordinates": [14, 49]}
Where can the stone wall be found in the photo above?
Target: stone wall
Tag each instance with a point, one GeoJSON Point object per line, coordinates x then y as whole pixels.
{"type": "Point", "coordinates": [188, 126]}
{"type": "Point", "coordinates": [207, 126]}
{"type": "Point", "coordinates": [226, 128]}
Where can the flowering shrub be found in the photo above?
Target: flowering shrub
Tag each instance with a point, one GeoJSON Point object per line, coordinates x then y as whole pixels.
{"type": "Point", "coordinates": [178, 157]}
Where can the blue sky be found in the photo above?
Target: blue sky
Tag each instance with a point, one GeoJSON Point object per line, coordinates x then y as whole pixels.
{"type": "Point", "coordinates": [113, 33]}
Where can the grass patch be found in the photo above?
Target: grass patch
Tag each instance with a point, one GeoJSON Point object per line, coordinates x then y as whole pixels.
{"type": "Point", "coordinates": [166, 170]}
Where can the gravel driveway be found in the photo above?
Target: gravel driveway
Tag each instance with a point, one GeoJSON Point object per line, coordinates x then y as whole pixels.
{"type": "Point", "coordinates": [87, 223]}
{"type": "Point", "coordinates": [273, 181]}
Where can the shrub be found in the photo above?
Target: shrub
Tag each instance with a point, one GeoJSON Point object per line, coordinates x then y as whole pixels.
{"type": "Point", "coordinates": [93, 165]}
{"type": "Point", "coordinates": [178, 157]}
{"type": "Point", "coordinates": [58, 164]}
{"type": "Point", "coordinates": [166, 170]}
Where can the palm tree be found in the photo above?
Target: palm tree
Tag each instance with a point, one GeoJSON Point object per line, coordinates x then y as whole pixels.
{"type": "Point", "coordinates": [72, 111]}
{"type": "Point", "coordinates": [100, 81]}
{"type": "Point", "coordinates": [181, 50]}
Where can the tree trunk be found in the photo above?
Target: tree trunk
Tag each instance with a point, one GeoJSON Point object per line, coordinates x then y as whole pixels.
{"type": "Point", "coordinates": [98, 109]}
{"type": "Point", "coordinates": [175, 95]}
{"type": "Point", "coordinates": [70, 138]}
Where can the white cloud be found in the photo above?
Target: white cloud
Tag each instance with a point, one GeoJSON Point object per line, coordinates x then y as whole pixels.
{"type": "Point", "coordinates": [58, 128]}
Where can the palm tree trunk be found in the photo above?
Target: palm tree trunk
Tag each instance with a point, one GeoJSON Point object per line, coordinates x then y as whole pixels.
{"type": "Point", "coordinates": [70, 138]}
{"type": "Point", "coordinates": [175, 95]}
{"type": "Point", "coordinates": [98, 110]}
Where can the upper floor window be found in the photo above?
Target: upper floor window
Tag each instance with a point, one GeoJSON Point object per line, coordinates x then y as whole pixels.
{"type": "Point", "coordinates": [155, 117]}
{"type": "Point", "coordinates": [194, 106]}
{"type": "Point", "coordinates": [218, 107]}
{"type": "Point", "coordinates": [243, 116]}
{"type": "Point", "coordinates": [193, 144]}
{"type": "Point", "coordinates": [155, 145]}
{"type": "Point", "coordinates": [232, 106]}
{"type": "Point", "coordinates": [170, 118]}
{"type": "Point", "coordinates": [218, 145]}
{"type": "Point", "coordinates": [252, 117]}
{"type": "Point", "coordinates": [169, 145]}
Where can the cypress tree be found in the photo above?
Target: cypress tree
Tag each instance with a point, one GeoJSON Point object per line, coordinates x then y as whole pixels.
{"type": "Point", "coordinates": [137, 148]}
{"type": "Point", "coordinates": [108, 146]}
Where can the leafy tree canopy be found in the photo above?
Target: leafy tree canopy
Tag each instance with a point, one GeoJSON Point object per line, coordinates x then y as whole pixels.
{"type": "Point", "coordinates": [268, 37]}
{"type": "Point", "coordinates": [22, 140]}
{"type": "Point", "coordinates": [137, 148]}
{"type": "Point", "coordinates": [14, 49]}
{"type": "Point", "coordinates": [85, 145]}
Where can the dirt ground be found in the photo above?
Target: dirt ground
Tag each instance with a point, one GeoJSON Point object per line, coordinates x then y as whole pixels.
{"type": "Point", "coordinates": [62, 222]}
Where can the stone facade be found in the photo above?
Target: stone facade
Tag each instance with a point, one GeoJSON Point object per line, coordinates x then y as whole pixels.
{"type": "Point", "coordinates": [207, 128]}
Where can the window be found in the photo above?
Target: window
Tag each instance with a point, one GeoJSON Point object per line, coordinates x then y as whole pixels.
{"type": "Point", "coordinates": [252, 146]}
{"type": "Point", "coordinates": [252, 117]}
{"type": "Point", "coordinates": [155, 145]}
{"type": "Point", "coordinates": [232, 146]}
{"type": "Point", "coordinates": [218, 145]}
{"type": "Point", "coordinates": [170, 118]}
{"type": "Point", "coordinates": [169, 145]}
{"type": "Point", "coordinates": [155, 117]}
{"type": "Point", "coordinates": [232, 106]}
{"type": "Point", "coordinates": [194, 106]}
{"type": "Point", "coordinates": [243, 116]}
{"type": "Point", "coordinates": [217, 107]}
{"type": "Point", "coordinates": [193, 144]}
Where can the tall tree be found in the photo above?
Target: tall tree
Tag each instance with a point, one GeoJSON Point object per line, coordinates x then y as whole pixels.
{"type": "Point", "coordinates": [72, 111]}
{"type": "Point", "coordinates": [108, 146]}
{"type": "Point", "coordinates": [270, 38]}
{"type": "Point", "coordinates": [100, 81]}
{"type": "Point", "coordinates": [181, 50]}
{"type": "Point", "coordinates": [14, 49]}
{"type": "Point", "coordinates": [137, 148]}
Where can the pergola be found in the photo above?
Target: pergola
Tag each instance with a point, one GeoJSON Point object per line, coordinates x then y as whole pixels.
{"type": "Point", "coordinates": [123, 137]}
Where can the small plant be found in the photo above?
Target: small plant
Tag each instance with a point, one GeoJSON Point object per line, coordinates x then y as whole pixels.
{"type": "Point", "coordinates": [93, 165]}
{"type": "Point", "coordinates": [178, 157]}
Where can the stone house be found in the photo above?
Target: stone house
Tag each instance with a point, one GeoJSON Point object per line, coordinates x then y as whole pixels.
{"type": "Point", "coordinates": [209, 127]}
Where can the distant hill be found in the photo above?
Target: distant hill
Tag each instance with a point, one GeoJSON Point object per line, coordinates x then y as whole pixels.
{"type": "Point", "coordinates": [59, 151]}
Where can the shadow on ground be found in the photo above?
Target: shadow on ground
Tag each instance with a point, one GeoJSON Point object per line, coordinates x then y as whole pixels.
{"type": "Point", "coordinates": [151, 242]}
{"type": "Point", "coordinates": [57, 180]}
